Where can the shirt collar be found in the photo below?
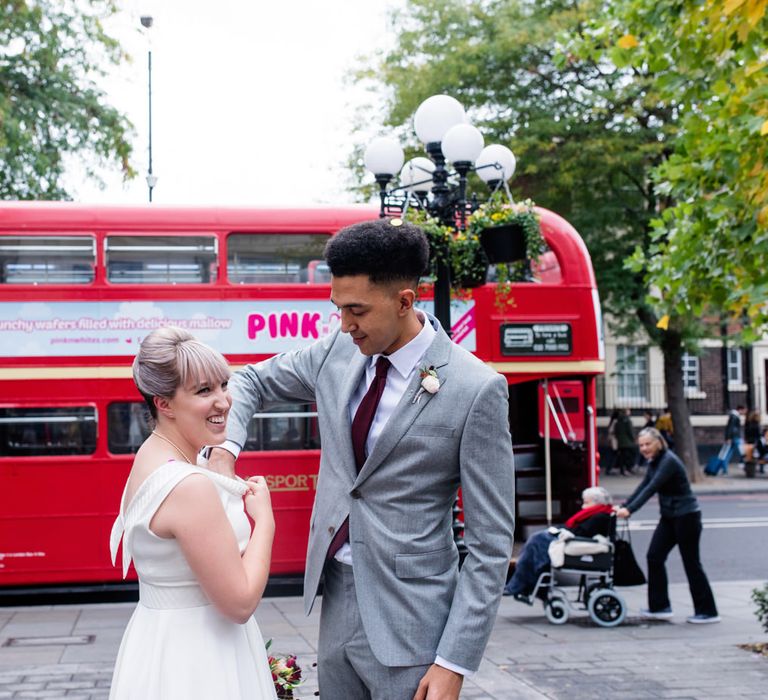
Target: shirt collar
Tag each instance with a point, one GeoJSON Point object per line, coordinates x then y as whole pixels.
{"type": "Point", "coordinates": [408, 356]}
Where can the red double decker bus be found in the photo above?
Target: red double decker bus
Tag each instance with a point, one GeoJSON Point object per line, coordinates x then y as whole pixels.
{"type": "Point", "coordinates": [80, 286]}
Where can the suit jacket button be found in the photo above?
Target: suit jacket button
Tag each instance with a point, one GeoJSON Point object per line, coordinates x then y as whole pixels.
{"type": "Point", "coordinates": [331, 530]}
{"type": "Point", "coordinates": [356, 493]}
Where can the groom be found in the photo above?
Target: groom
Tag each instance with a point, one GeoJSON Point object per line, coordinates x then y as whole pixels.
{"type": "Point", "coordinates": [398, 620]}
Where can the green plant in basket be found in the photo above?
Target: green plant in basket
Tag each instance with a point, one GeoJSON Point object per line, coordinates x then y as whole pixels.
{"type": "Point", "coordinates": [516, 222]}
{"type": "Point", "coordinates": [460, 250]}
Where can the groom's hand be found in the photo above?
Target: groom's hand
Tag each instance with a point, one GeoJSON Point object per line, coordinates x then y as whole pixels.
{"type": "Point", "coordinates": [439, 683]}
{"type": "Point", "coordinates": [221, 461]}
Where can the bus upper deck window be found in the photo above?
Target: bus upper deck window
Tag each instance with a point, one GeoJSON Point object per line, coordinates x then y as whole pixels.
{"type": "Point", "coordinates": [47, 259]}
{"type": "Point", "coordinates": [276, 258]}
{"type": "Point", "coordinates": [161, 259]}
{"type": "Point", "coordinates": [45, 431]}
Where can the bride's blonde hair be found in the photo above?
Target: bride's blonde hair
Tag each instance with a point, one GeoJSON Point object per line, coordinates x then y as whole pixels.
{"type": "Point", "coordinates": [170, 357]}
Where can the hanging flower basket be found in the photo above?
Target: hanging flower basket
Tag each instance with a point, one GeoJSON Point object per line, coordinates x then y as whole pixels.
{"type": "Point", "coordinates": [459, 250]}
{"type": "Point", "coordinates": [504, 244]}
{"type": "Point", "coordinates": [509, 233]}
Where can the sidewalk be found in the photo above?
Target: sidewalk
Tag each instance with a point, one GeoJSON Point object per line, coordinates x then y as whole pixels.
{"type": "Point", "coordinates": [68, 651]}
{"type": "Point", "coordinates": [733, 483]}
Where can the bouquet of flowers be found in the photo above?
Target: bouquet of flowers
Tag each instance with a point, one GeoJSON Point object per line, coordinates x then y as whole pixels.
{"type": "Point", "coordinates": [286, 673]}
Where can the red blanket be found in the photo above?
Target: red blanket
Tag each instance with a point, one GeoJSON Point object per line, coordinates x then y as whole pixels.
{"type": "Point", "coordinates": [586, 514]}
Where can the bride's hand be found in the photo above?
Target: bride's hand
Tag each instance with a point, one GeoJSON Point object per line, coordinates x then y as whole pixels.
{"type": "Point", "coordinates": [258, 503]}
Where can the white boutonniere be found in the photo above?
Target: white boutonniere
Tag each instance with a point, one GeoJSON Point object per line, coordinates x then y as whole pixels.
{"type": "Point", "coordinates": [429, 382]}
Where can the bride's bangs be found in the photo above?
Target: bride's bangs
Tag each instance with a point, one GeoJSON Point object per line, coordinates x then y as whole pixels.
{"type": "Point", "coordinates": [200, 364]}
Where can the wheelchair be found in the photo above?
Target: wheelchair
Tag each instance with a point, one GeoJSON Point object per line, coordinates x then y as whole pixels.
{"type": "Point", "coordinates": [592, 562]}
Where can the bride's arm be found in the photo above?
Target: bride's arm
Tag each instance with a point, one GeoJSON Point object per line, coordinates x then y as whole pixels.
{"type": "Point", "coordinates": [193, 514]}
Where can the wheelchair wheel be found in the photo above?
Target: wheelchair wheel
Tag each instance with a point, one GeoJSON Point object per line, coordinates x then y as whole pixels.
{"type": "Point", "coordinates": [556, 610]}
{"type": "Point", "coordinates": [607, 608]}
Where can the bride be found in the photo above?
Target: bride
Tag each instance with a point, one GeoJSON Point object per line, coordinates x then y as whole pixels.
{"type": "Point", "coordinates": [202, 571]}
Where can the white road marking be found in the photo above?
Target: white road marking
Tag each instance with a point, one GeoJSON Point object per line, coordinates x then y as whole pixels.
{"type": "Point", "coordinates": [709, 523]}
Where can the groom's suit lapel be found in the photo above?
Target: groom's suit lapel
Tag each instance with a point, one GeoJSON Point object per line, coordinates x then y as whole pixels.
{"type": "Point", "coordinates": [408, 410]}
{"type": "Point", "coordinates": [352, 378]}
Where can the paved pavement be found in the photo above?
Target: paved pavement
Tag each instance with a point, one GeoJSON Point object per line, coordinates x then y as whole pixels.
{"type": "Point", "coordinates": [68, 651]}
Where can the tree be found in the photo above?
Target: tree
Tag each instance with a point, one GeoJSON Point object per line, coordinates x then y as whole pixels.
{"type": "Point", "coordinates": [710, 58]}
{"type": "Point", "coordinates": [587, 133]}
{"type": "Point", "coordinates": [49, 105]}
{"type": "Point", "coordinates": [708, 61]}
{"type": "Point", "coordinates": [594, 124]}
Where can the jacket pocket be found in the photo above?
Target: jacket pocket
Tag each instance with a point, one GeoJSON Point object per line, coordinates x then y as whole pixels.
{"type": "Point", "coordinates": [422, 565]}
{"type": "Point", "coordinates": [424, 430]}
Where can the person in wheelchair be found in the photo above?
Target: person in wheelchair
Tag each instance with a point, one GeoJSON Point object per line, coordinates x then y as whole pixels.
{"type": "Point", "coordinates": [594, 518]}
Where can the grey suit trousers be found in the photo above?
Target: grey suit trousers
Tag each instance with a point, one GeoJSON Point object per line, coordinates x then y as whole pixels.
{"type": "Point", "coordinates": [347, 668]}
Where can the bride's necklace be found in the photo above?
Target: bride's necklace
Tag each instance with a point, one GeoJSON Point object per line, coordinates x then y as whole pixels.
{"type": "Point", "coordinates": [174, 445]}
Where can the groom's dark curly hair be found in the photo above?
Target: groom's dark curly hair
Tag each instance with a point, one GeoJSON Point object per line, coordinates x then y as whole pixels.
{"type": "Point", "coordinates": [381, 249]}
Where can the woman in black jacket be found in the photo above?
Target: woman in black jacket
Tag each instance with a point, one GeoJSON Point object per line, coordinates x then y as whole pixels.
{"type": "Point", "coordinates": [680, 525]}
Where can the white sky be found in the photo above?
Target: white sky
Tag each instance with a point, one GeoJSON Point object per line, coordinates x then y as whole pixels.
{"type": "Point", "coordinates": [249, 101]}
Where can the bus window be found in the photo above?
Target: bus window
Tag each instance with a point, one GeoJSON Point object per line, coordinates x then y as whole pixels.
{"type": "Point", "coordinates": [47, 259]}
{"type": "Point", "coordinates": [285, 428]}
{"type": "Point", "coordinates": [161, 259]}
{"type": "Point", "coordinates": [33, 432]}
{"type": "Point", "coordinates": [128, 425]}
{"type": "Point", "coordinates": [273, 258]}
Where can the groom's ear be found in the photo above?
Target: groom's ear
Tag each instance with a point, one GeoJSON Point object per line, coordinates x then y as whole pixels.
{"type": "Point", "coordinates": [406, 299]}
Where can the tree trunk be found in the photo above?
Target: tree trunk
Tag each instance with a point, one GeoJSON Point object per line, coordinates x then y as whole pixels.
{"type": "Point", "coordinates": [685, 444]}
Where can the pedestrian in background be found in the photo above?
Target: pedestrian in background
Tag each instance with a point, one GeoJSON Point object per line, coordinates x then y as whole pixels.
{"type": "Point", "coordinates": [680, 524]}
{"type": "Point", "coordinates": [613, 444]}
{"type": "Point", "coordinates": [625, 436]}
{"type": "Point", "coordinates": [734, 443]}
{"type": "Point", "coordinates": [760, 453]}
{"type": "Point", "coordinates": [665, 426]}
{"type": "Point", "coordinates": [752, 434]}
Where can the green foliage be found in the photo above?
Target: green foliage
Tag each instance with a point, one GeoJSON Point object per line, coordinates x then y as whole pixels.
{"type": "Point", "coordinates": [461, 251]}
{"type": "Point", "coordinates": [498, 211]}
{"type": "Point", "coordinates": [50, 107]}
{"type": "Point", "coordinates": [710, 63]}
{"type": "Point", "coordinates": [760, 599]}
{"type": "Point", "coordinates": [586, 135]}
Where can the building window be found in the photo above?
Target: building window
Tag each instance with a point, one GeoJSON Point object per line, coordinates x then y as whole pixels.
{"type": "Point", "coordinates": [632, 372]}
{"type": "Point", "coordinates": [690, 366]}
{"type": "Point", "coordinates": [734, 366]}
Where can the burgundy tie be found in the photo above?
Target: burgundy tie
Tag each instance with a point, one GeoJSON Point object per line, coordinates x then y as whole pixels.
{"type": "Point", "coordinates": [361, 426]}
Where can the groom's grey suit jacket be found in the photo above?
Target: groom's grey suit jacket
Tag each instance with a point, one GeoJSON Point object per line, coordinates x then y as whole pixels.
{"type": "Point", "coordinates": [413, 600]}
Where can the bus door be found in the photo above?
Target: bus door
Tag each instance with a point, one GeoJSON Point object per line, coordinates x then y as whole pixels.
{"type": "Point", "coordinates": [563, 430]}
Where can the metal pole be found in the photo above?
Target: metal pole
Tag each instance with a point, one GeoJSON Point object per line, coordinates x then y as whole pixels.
{"type": "Point", "coordinates": [444, 210]}
{"type": "Point", "coordinates": [547, 455]}
{"type": "Point", "coordinates": [149, 174]}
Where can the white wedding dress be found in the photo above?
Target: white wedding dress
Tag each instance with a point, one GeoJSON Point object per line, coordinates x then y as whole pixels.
{"type": "Point", "coordinates": [177, 646]}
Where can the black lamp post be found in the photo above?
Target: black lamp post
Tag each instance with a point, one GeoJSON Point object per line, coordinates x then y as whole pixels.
{"type": "Point", "coordinates": [426, 183]}
{"type": "Point", "coordinates": [146, 22]}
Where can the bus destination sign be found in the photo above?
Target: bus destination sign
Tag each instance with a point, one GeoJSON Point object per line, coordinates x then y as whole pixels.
{"type": "Point", "coordinates": [536, 339]}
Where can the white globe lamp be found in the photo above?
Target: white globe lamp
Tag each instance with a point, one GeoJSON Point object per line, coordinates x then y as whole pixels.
{"type": "Point", "coordinates": [495, 162]}
{"type": "Point", "coordinates": [384, 156]}
{"type": "Point", "coordinates": [462, 143]}
{"type": "Point", "coordinates": [416, 175]}
{"type": "Point", "coordinates": [435, 116]}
